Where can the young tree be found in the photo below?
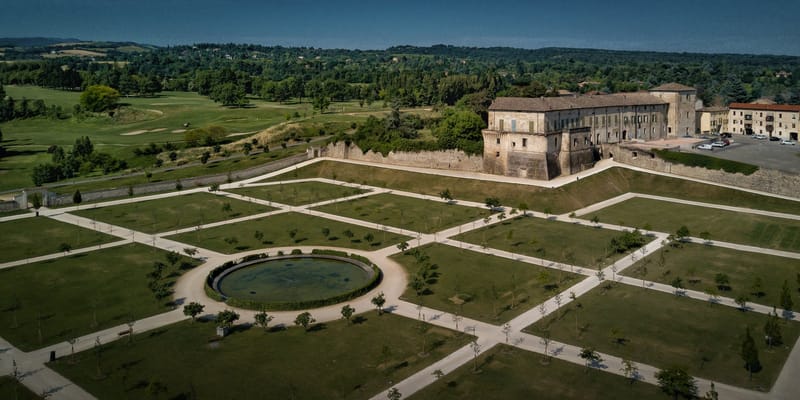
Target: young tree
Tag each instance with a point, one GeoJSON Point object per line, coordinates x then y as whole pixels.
{"type": "Point", "coordinates": [786, 298]}
{"type": "Point", "coordinates": [493, 203]}
{"type": "Point", "coordinates": [65, 248]}
{"type": "Point", "coordinates": [347, 313]}
{"type": "Point", "coordinates": [226, 318]}
{"type": "Point", "coordinates": [36, 201]}
{"type": "Point", "coordinates": [476, 350]}
{"type": "Point", "coordinates": [750, 353]}
{"type": "Point", "coordinates": [677, 382]}
{"type": "Point", "coordinates": [682, 233]}
{"type": "Point", "coordinates": [173, 257]}
{"type": "Point", "coordinates": [379, 301]}
{"type": "Point", "coordinates": [193, 309]}
{"type": "Point", "coordinates": [446, 196]}
{"type": "Point", "coordinates": [742, 300]}
{"type": "Point", "coordinates": [772, 330]}
{"type": "Point", "coordinates": [394, 394]}
{"type": "Point", "coordinates": [76, 197]}
{"type": "Point", "coordinates": [263, 319]}
{"type": "Point", "coordinates": [305, 320]}
{"type": "Point", "coordinates": [722, 281]}
{"type": "Point", "coordinates": [630, 369]}
{"type": "Point", "coordinates": [403, 246]}
{"type": "Point", "coordinates": [590, 356]}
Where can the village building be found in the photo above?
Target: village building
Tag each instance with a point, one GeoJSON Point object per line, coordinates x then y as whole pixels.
{"type": "Point", "coordinates": [764, 119]}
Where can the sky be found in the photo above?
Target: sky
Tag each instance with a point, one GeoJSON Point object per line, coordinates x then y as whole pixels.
{"type": "Point", "coordinates": [707, 26]}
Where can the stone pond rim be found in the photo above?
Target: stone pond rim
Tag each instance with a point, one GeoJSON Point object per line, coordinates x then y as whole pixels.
{"type": "Point", "coordinates": [215, 278]}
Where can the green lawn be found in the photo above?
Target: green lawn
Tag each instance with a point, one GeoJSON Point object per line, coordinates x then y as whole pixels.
{"type": "Point", "coordinates": [232, 238]}
{"type": "Point", "coordinates": [405, 212]}
{"type": "Point", "coordinates": [296, 194]}
{"type": "Point", "coordinates": [172, 174]}
{"type": "Point", "coordinates": [729, 226]}
{"type": "Point", "coordinates": [665, 330]}
{"type": "Point", "coordinates": [163, 116]}
{"type": "Point", "coordinates": [489, 284]}
{"type": "Point", "coordinates": [38, 236]}
{"type": "Point", "coordinates": [65, 294]}
{"type": "Point", "coordinates": [589, 190]}
{"type": "Point", "coordinates": [509, 373]}
{"type": "Point", "coordinates": [335, 362]}
{"type": "Point", "coordinates": [171, 213]}
{"type": "Point", "coordinates": [697, 265]}
{"type": "Point", "coordinates": [11, 389]}
{"type": "Point", "coordinates": [552, 240]}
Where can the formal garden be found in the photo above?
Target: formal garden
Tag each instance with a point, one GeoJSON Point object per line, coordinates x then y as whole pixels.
{"type": "Point", "coordinates": [466, 271]}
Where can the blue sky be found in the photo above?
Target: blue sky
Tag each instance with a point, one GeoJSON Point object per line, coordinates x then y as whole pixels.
{"type": "Point", "coordinates": [710, 26]}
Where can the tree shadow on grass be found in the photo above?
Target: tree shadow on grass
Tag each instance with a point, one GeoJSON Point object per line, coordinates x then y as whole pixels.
{"type": "Point", "coordinates": [317, 327]}
{"type": "Point", "coordinates": [359, 319]}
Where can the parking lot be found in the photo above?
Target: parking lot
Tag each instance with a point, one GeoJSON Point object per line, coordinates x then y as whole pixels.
{"type": "Point", "coordinates": [763, 153]}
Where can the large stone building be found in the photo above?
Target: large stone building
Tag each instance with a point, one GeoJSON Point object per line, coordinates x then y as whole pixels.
{"type": "Point", "coordinates": [712, 120]}
{"type": "Point", "coordinates": [546, 137]}
{"type": "Point", "coordinates": [779, 120]}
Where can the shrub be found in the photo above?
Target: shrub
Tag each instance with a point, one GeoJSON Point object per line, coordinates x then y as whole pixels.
{"type": "Point", "coordinates": [707, 162]}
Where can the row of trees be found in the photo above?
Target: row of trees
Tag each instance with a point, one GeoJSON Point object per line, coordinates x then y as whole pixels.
{"type": "Point", "coordinates": [80, 160]}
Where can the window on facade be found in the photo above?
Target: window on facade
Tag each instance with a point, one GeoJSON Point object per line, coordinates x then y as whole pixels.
{"type": "Point", "coordinates": [586, 141]}
{"type": "Point", "coordinates": [498, 140]}
{"type": "Point", "coordinates": [497, 154]}
{"type": "Point", "coordinates": [524, 142]}
{"type": "Point", "coordinates": [575, 142]}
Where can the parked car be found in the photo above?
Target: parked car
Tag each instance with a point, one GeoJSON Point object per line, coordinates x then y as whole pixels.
{"type": "Point", "coordinates": [787, 141]}
{"type": "Point", "coordinates": [774, 138]}
{"type": "Point", "coordinates": [719, 144]}
{"type": "Point", "coordinates": [726, 135]}
{"type": "Point", "coordinates": [705, 146]}
{"type": "Point", "coordinates": [760, 136]}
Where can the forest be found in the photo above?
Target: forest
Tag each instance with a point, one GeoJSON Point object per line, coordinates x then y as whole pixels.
{"type": "Point", "coordinates": [406, 75]}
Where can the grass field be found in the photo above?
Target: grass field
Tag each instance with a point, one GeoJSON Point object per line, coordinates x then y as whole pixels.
{"type": "Point", "coordinates": [509, 373]}
{"type": "Point", "coordinates": [161, 117]}
{"type": "Point", "coordinates": [64, 295]}
{"type": "Point", "coordinates": [171, 174]}
{"type": "Point", "coordinates": [697, 265]}
{"type": "Point", "coordinates": [663, 330]}
{"type": "Point", "coordinates": [296, 194]}
{"type": "Point", "coordinates": [405, 212]}
{"type": "Point", "coordinates": [171, 213]}
{"type": "Point", "coordinates": [552, 240]}
{"type": "Point", "coordinates": [277, 230]}
{"type": "Point", "coordinates": [339, 361]}
{"type": "Point", "coordinates": [576, 195]}
{"type": "Point", "coordinates": [38, 236]}
{"type": "Point", "coordinates": [11, 389]}
{"type": "Point", "coordinates": [489, 284]}
{"type": "Point", "coordinates": [729, 226]}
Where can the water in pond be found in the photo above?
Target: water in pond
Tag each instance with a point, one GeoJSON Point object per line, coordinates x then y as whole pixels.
{"type": "Point", "coordinates": [293, 279]}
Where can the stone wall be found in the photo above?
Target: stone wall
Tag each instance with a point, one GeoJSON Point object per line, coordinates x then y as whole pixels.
{"type": "Point", "coordinates": [188, 183]}
{"type": "Point", "coordinates": [765, 180]}
{"type": "Point", "coordinates": [444, 159]}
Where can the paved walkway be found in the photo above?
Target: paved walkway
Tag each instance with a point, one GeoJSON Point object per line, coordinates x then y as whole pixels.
{"type": "Point", "coordinates": [190, 286]}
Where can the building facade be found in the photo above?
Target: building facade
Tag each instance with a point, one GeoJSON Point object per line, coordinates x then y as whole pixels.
{"type": "Point", "coordinates": [712, 120]}
{"type": "Point", "coordinates": [779, 120]}
{"type": "Point", "coordinates": [545, 137]}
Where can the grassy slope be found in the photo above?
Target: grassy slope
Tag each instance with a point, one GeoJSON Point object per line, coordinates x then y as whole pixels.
{"type": "Point", "coordinates": [730, 226]}
{"type": "Point", "coordinates": [276, 233]}
{"type": "Point", "coordinates": [508, 373]}
{"type": "Point", "coordinates": [37, 236]}
{"type": "Point", "coordinates": [665, 330]}
{"type": "Point", "coordinates": [573, 196]}
{"type": "Point", "coordinates": [173, 213]}
{"type": "Point", "coordinates": [298, 193]}
{"type": "Point", "coordinates": [465, 273]}
{"type": "Point", "coordinates": [405, 212]}
{"type": "Point", "coordinates": [547, 239]}
{"type": "Point", "coordinates": [64, 293]}
{"type": "Point", "coordinates": [697, 265]}
{"type": "Point", "coordinates": [337, 362]}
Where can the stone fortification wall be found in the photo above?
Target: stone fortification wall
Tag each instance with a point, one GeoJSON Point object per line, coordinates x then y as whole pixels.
{"type": "Point", "coordinates": [765, 180]}
{"type": "Point", "coordinates": [443, 159]}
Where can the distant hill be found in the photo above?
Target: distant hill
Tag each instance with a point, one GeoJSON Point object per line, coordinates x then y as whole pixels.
{"type": "Point", "coordinates": [34, 48]}
{"type": "Point", "coordinates": [33, 41]}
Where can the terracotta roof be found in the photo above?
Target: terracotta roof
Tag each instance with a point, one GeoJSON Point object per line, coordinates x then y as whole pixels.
{"type": "Point", "coordinates": [672, 87]}
{"type": "Point", "coordinates": [713, 109]}
{"type": "Point", "coordinates": [543, 104]}
{"type": "Point", "coordinates": [765, 107]}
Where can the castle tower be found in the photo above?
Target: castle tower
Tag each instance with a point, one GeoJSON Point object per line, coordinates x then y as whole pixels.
{"type": "Point", "coordinates": [681, 115]}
